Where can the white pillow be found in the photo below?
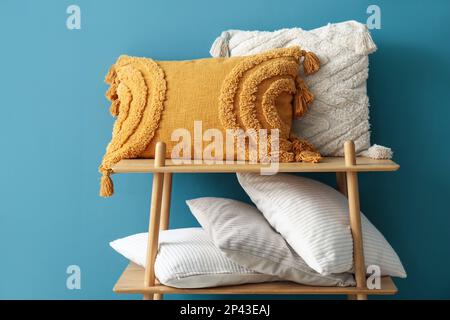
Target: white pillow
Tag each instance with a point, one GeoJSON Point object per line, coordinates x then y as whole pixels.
{"type": "Point", "coordinates": [340, 110]}
{"type": "Point", "coordinates": [313, 218]}
{"type": "Point", "coordinates": [242, 233]}
{"type": "Point", "coordinates": [187, 258]}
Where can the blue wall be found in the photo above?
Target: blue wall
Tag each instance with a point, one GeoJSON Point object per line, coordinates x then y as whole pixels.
{"type": "Point", "coordinates": [55, 125]}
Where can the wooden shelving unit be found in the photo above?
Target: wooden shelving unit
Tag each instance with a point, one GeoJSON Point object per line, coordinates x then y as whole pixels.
{"type": "Point", "coordinates": [132, 281]}
{"type": "Point", "coordinates": [327, 164]}
{"type": "Point", "coordinates": [142, 280]}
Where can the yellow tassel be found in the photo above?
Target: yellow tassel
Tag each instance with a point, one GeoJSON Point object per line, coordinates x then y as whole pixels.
{"type": "Point", "coordinates": [303, 98]}
{"type": "Point", "coordinates": [304, 151]}
{"type": "Point", "coordinates": [111, 93]}
{"type": "Point", "coordinates": [111, 75]}
{"type": "Point", "coordinates": [106, 185]}
{"type": "Point", "coordinates": [285, 156]}
{"type": "Point", "coordinates": [299, 106]}
{"type": "Point", "coordinates": [311, 63]}
{"type": "Point", "coordinates": [114, 109]}
{"type": "Point", "coordinates": [308, 156]}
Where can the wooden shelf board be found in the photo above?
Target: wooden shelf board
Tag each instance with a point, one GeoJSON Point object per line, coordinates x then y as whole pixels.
{"type": "Point", "coordinates": [132, 281]}
{"type": "Point", "coordinates": [328, 164]}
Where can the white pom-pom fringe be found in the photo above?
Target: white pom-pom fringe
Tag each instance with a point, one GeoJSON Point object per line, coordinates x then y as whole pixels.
{"type": "Point", "coordinates": [378, 152]}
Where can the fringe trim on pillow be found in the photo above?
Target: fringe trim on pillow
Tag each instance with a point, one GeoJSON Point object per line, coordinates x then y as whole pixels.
{"type": "Point", "coordinates": [253, 81]}
{"type": "Point", "coordinates": [291, 148]}
{"type": "Point", "coordinates": [311, 63]}
{"type": "Point", "coordinates": [378, 152]}
{"type": "Point", "coordinates": [138, 106]}
{"type": "Point", "coordinates": [106, 184]}
{"type": "Point", "coordinates": [232, 82]}
{"type": "Point", "coordinates": [296, 149]}
{"type": "Point", "coordinates": [303, 98]}
{"type": "Point", "coordinates": [123, 105]}
{"type": "Point", "coordinates": [304, 151]}
{"type": "Point", "coordinates": [268, 105]}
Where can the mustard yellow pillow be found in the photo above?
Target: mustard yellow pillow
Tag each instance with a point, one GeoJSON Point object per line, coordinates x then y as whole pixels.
{"type": "Point", "coordinates": [151, 99]}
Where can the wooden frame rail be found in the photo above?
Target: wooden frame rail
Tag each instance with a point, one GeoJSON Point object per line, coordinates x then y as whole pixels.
{"type": "Point", "coordinates": [139, 280]}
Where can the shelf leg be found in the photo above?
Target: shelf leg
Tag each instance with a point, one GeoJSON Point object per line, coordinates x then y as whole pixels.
{"type": "Point", "coordinates": [154, 223]}
{"type": "Point", "coordinates": [165, 212]}
{"type": "Point", "coordinates": [341, 185]}
{"type": "Point", "coordinates": [157, 296]}
{"type": "Point", "coordinates": [341, 182]}
{"type": "Point", "coordinates": [166, 197]}
{"type": "Point", "coordinates": [355, 218]}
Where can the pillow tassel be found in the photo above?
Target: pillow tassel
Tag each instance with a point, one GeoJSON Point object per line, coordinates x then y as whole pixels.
{"type": "Point", "coordinates": [111, 75]}
{"type": "Point", "coordinates": [304, 151]}
{"type": "Point", "coordinates": [364, 44]}
{"type": "Point", "coordinates": [303, 98]}
{"type": "Point", "coordinates": [106, 185]}
{"type": "Point", "coordinates": [111, 93]}
{"type": "Point", "coordinates": [114, 109]}
{"type": "Point", "coordinates": [311, 63]}
{"type": "Point", "coordinates": [220, 46]}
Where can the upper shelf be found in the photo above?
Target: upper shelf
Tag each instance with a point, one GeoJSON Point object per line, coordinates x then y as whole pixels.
{"type": "Point", "coordinates": [328, 164]}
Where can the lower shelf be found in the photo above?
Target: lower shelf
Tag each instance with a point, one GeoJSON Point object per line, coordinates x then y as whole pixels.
{"type": "Point", "coordinates": [132, 281]}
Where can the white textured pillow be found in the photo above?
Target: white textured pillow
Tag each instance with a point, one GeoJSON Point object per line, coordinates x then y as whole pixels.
{"type": "Point", "coordinates": [187, 258]}
{"type": "Point", "coordinates": [313, 218]}
{"type": "Point", "coordinates": [340, 110]}
{"type": "Point", "coordinates": [242, 233]}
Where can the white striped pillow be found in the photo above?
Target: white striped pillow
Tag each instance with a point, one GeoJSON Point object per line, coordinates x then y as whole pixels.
{"type": "Point", "coordinates": [240, 231]}
{"type": "Point", "coordinates": [187, 258]}
{"type": "Point", "coordinates": [313, 218]}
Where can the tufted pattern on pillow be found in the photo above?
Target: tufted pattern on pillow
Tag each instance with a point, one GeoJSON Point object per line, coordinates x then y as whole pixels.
{"type": "Point", "coordinates": [340, 110]}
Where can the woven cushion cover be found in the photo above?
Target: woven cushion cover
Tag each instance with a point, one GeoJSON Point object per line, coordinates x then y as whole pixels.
{"type": "Point", "coordinates": [151, 99]}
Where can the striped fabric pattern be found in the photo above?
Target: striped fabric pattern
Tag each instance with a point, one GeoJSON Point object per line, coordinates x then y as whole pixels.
{"type": "Point", "coordinates": [313, 218]}
{"type": "Point", "coordinates": [187, 258]}
{"type": "Point", "coordinates": [242, 233]}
